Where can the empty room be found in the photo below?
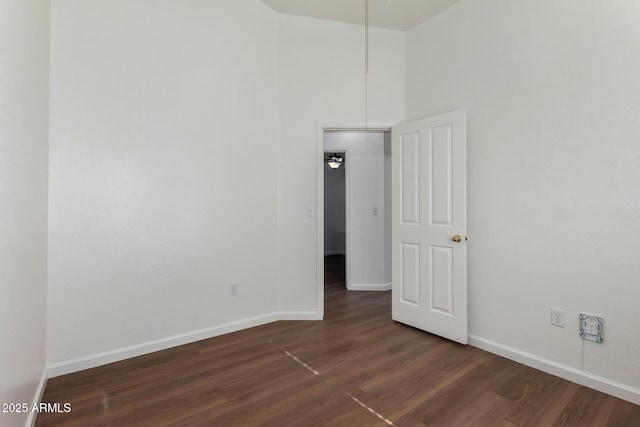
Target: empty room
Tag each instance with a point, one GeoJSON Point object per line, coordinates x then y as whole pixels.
{"type": "Point", "coordinates": [164, 172]}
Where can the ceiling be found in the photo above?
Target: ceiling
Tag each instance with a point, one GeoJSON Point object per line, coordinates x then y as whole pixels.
{"type": "Point", "coordinates": [392, 14]}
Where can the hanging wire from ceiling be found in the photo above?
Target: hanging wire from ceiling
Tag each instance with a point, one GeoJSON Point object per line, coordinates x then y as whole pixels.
{"type": "Point", "coordinates": [366, 65]}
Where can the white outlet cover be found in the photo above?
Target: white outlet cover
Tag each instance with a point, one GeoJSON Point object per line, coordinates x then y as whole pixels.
{"type": "Point", "coordinates": [557, 317]}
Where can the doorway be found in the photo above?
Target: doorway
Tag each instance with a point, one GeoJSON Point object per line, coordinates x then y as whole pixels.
{"type": "Point", "coordinates": [356, 207]}
{"type": "Point", "coordinates": [429, 277]}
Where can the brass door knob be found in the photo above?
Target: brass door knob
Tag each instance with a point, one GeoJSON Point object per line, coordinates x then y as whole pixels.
{"type": "Point", "coordinates": [457, 238]}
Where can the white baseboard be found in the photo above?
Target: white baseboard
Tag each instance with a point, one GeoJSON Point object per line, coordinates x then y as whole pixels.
{"type": "Point", "coordinates": [370, 287]}
{"type": "Point", "coordinates": [587, 379]}
{"type": "Point", "coordinates": [104, 358]}
{"type": "Point", "coordinates": [297, 315]}
{"type": "Point", "coordinates": [327, 253]}
{"type": "Point", "coordinates": [37, 398]}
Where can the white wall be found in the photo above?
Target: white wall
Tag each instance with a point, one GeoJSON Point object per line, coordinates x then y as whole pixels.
{"type": "Point", "coordinates": [321, 81]}
{"type": "Point", "coordinates": [334, 210]}
{"type": "Point", "coordinates": [551, 91]}
{"type": "Point", "coordinates": [24, 87]}
{"type": "Point", "coordinates": [166, 177]}
{"type": "Point", "coordinates": [163, 171]}
{"type": "Point", "coordinates": [365, 184]}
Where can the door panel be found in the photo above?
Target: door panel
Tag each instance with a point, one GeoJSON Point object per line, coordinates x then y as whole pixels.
{"type": "Point", "coordinates": [410, 274]}
{"type": "Point", "coordinates": [440, 191]}
{"type": "Point", "coordinates": [410, 178]}
{"type": "Point", "coordinates": [441, 280]}
{"type": "Point", "coordinates": [429, 209]}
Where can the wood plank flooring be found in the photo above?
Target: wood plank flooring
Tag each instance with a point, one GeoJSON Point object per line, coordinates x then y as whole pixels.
{"type": "Point", "coordinates": [355, 368]}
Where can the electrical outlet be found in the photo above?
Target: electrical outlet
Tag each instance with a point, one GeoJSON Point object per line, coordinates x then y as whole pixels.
{"type": "Point", "coordinates": [591, 327]}
{"type": "Point", "coordinates": [557, 317]}
{"type": "Point", "coordinates": [374, 211]}
{"type": "Point", "coordinates": [233, 289]}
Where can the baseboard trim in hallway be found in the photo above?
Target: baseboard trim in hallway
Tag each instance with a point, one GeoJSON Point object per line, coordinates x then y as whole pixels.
{"type": "Point", "coordinates": [371, 287]}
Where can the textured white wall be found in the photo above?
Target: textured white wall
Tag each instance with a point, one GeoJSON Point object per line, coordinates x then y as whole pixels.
{"type": "Point", "coordinates": [163, 170]}
{"type": "Point", "coordinates": [166, 182]}
{"type": "Point", "coordinates": [24, 128]}
{"type": "Point", "coordinates": [552, 97]}
{"type": "Point", "coordinates": [322, 80]}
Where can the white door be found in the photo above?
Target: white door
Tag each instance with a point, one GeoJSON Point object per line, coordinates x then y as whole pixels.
{"type": "Point", "coordinates": [429, 223]}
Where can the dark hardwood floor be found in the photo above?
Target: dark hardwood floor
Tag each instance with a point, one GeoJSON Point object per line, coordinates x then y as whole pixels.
{"type": "Point", "coordinates": [355, 368]}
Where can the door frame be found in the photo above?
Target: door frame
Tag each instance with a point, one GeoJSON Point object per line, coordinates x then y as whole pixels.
{"type": "Point", "coordinates": [321, 127]}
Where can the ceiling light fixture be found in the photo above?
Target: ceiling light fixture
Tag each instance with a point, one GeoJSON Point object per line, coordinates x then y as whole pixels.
{"type": "Point", "coordinates": [335, 161]}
